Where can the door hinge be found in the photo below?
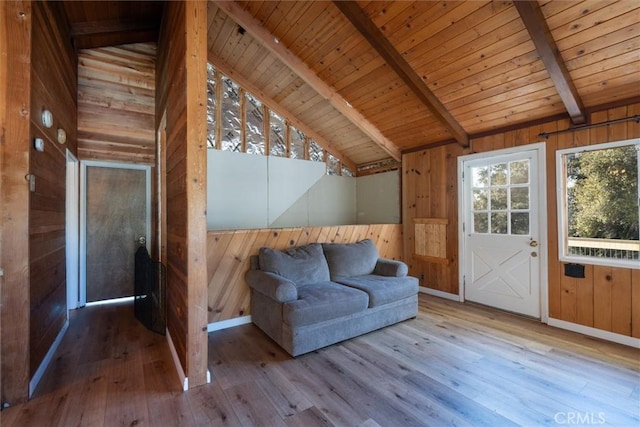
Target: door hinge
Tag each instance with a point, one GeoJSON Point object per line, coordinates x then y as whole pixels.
{"type": "Point", "coordinates": [463, 227]}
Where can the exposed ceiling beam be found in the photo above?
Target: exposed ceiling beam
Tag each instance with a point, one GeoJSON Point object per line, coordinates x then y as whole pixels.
{"type": "Point", "coordinates": [94, 34]}
{"type": "Point", "coordinates": [261, 34]}
{"type": "Point", "coordinates": [228, 71]}
{"type": "Point", "coordinates": [111, 26]}
{"type": "Point", "coordinates": [541, 36]}
{"type": "Point", "coordinates": [396, 61]}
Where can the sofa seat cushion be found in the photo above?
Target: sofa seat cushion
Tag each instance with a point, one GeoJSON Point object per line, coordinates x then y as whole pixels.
{"type": "Point", "coordinates": [382, 289]}
{"type": "Point", "coordinates": [351, 259]}
{"type": "Point", "coordinates": [323, 301]}
{"type": "Point", "coordinates": [302, 265]}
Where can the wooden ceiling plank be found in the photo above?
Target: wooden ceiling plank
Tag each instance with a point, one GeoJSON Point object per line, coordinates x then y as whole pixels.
{"type": "Point", "coordinates": [529, 84]}
{"type": "Point", "coordinates": [602, 65]}
{"type": "Point", "coordinates": [494, 78]}
{"type": "Point", "coordinates": [459, 41]}
{"type": "Point", "coordinates": [434, 22]}
{"type": "Point", "coordinates": [340, 43]}
{"type": "Point", "coordinates": [380, 43]}
{"type": "Point", "coordinates": [222, 32]}
{"type": "Point", "coordinates": [537, 27]}
{"type": "Point", "coordinates": [624, 86]}
{"type": "Point", "coordinates": [477, 56]}
{"type": "Point", "coordinates": [315, 32]}
{"type": "Point", "coordinates": [285, 55]}
{"type": "Point", "coordinates": [630, 69]}
{"type": "Point", "coordinates": [621, 40]}
{"type": "Point", "coordinates": [228, 71]}
{"type": "Point", "coordinates": [346, 76]}
{"type": "Point", "coordinates": [538, 96]}
{"type": "Point", "coordinates": [601, 33]}
{"type": "Point", "coordinates": [382, 13]}
{"type": "Point", "coordinates": [581, 17]}
{"type": "Point", "coordinates": [297, 20]}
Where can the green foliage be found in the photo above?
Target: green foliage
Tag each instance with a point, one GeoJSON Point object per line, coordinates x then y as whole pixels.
{"type": "Point", "coordinates": [603, 193]}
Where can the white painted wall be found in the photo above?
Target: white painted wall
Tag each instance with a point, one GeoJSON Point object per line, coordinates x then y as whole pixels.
{"type": "Point", "coordinates": [378, 198]}
{"type": "Point", "coordinates": [331, 201]}
{"type": "Point", "coordinates": [236, 190]}
{"type": "Point", "coordinates": [288, 181]}
{"type": "Point", "coordinates": [253, 191]}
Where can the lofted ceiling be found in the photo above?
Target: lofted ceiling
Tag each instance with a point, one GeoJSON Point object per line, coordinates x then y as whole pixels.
{"type": "Point", "coordinates": [376, 78]}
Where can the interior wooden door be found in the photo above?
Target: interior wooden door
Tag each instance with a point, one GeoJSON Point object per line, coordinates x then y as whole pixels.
{"type": "Point", "coordinates": [116, 218]}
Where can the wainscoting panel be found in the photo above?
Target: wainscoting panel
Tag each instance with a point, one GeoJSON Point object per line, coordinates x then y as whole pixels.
{"type": "Point", "coordinates": [229, 252]}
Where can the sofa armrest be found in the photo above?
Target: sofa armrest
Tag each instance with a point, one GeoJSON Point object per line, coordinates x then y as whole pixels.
{"type": "Point", "coordinates": [389, 267]}
{"type": "Point", "coordinates": [269, 284]}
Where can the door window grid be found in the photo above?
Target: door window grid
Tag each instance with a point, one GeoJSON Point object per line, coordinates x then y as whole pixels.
{"type": "Point", "coordinates": [500, 195]}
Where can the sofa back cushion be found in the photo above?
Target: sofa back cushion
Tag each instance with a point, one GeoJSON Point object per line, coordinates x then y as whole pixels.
{"type": "Point", "coordinates": [303, 265]}
{"type": "Point", "coordinates": [351, 259]}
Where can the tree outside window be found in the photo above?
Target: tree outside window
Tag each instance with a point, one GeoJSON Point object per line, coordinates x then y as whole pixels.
{"type": "Point", "coordinates": [600, 203]}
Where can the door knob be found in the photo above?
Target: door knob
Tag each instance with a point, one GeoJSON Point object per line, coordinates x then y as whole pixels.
{"type": "Point", "coordinates": [142, 240]}
{"type": "Point", "coordinates": [533, 243]}
{"type": "Point", "coordinates": [534, 254]}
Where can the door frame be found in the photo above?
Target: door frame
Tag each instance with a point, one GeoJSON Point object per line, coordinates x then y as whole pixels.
{"type": "Point", "coordinates": [540, 149]}
{"type": "Point", "coordinates": [72, 229]}
{"type": "Point", "coordinates": [83, 213]}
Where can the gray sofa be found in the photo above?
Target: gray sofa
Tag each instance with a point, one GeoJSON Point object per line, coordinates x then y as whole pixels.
{"type": "Point", "coordinates": [312, 296]}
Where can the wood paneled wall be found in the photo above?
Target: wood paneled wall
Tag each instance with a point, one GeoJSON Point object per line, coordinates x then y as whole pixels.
{"type": "Point", "coordinates": [15, 25]}
{"type": "Point", "coordinates": [53, 86]}
{"type": "Point", "coordinates": [181, 92]}
{"type": "Point", "coordinates": [429, 190]}
{"type": "Point", "coordinates": [39, 72]}
{"type": "Point", "coordinates": [116, 103]}
{"type": "Point", "coordinates": [229, 252]}
{"type": "Point", "coordinates": [608, 298]}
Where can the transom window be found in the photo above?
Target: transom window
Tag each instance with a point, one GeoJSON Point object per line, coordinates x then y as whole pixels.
{"type": "Point", "coordinates": [598, 204]}
{"type": "Point", "coordinates": [500, 198]}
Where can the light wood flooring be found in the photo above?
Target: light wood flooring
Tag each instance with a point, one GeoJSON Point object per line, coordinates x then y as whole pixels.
{"type": "Point", "coordinates": [456, 364]}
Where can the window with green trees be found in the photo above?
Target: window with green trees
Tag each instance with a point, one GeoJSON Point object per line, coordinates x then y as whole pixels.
{"type": "Point", "coordinates": [599, 203]}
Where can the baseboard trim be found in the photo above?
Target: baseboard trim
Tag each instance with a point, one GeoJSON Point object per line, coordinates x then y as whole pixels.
{"type": "Point", "coordinates": [176, 361]}
{"type": "Point", "coordinates": [436, 293]}
{"type": "Point", "coordinates": [230, 323]}
{"type": "Point", "coordinates": [598, 333]}
{"type": "Point", "coordinates": [37, 376]}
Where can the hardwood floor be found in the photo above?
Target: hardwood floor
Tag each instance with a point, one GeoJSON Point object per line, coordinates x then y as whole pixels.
{"type": "Point", "coordinates": [454, 364]}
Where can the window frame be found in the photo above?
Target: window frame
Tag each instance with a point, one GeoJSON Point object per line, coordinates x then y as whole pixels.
{"type": "Point", "coordinates": [562, 213]}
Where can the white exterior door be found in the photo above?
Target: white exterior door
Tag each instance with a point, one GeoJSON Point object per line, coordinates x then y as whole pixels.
{"type": "Point", "coordinates": [501, 232]}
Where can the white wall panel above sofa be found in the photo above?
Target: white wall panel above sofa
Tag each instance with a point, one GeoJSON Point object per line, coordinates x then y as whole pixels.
{"type": "Point", "coordinates": [331, 201]}
{"type": "Point", "coordinates": [378, 198]}
{"type": "Point", "coordinates": [252, 191]}
{"type": "Point", "coordinates": [236, 190]}
{"type": "Point", "coordinates": [288, 181]}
